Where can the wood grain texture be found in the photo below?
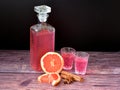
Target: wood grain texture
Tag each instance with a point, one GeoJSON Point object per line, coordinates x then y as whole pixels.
{"type": "Point", "coordinates": [103, 73]}
{"type": "Point", "coordinates": [99, 62]}
{"type": "Point", "coordinates": [15, 61]}
{"type": "Point", "coordinates": [12, 81]}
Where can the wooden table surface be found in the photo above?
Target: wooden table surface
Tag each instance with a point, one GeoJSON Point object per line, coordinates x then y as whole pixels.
{"type": "Point", "coordinates": [103, 73]}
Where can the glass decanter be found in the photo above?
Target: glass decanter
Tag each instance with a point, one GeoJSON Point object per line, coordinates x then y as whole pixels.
{"type": "Point", "coordinates": [42, 37]}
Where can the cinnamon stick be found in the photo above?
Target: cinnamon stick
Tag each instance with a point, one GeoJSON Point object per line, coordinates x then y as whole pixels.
{"type": "Point", "coordinates": [67, 75]}
{"type": "Point", "coordinates": [67, 79]}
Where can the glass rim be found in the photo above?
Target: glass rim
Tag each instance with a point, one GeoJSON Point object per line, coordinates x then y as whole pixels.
{"type": "Point", "coordinates": [67, 49]}
{"type": "Point", "coordinates": [82, 54]}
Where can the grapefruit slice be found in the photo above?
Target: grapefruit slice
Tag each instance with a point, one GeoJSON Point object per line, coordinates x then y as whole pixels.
{"type": "Point", "coordinates": [53, 79]}
{"type": "Point", "coordinates": [52, 62]}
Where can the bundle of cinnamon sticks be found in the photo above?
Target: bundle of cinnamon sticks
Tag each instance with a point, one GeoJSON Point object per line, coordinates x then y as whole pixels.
{"type": "Point", "coordinates": [70, 77]}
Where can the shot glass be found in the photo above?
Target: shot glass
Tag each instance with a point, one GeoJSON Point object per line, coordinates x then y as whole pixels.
{"type": "Point", "coordinates": [81, 62]}
{"type": "Point", "coordinates": [68, 54]}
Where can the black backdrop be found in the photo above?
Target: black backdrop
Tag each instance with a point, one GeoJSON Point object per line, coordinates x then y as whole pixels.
{"type": "Point", "coordinates": [89, 25]}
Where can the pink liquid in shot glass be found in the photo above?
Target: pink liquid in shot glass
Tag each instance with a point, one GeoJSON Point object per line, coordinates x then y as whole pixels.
{"type": "Point", "coordinates": [80, 65]}
{"type": "Point", "coordinates": [68, 60]}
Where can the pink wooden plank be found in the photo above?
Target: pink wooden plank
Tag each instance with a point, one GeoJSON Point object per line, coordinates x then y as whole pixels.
{"type": "Point", "coordinates": [103, 72]}
{"type": "Point", "coordinates": [19, 81]}
{"type": "Point", "coordinates": [99, 62]}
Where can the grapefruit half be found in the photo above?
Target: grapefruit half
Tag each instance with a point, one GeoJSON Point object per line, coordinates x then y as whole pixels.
{"type": "Point", "coordinates": [52, 62]}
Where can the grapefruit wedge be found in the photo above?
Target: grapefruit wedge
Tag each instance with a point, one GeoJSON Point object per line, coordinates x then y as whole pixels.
{"type": "Point", "coordinates": [52, 62]}
{"type": "Point", "coordinates": [53, 79]}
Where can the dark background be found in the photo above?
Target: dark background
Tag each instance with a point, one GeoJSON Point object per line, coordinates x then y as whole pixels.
{"type": "Point", "coordinates": [89, 25]}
